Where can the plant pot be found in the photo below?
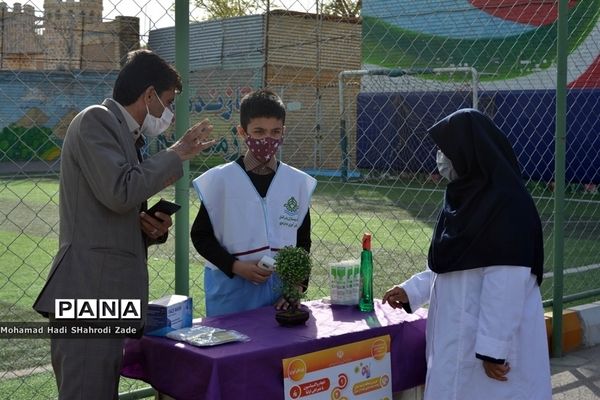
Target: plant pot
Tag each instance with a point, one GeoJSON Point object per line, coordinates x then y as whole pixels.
{"type": "Point", "coordinates": [292, 317]}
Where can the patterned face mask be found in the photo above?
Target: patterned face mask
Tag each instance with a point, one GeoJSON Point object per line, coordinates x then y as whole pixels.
{"type": "Point", "coordinates": [265, 148]}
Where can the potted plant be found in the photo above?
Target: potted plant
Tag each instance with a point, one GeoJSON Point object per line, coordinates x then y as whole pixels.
{"type": "Point", "coordinates": [293, 266]}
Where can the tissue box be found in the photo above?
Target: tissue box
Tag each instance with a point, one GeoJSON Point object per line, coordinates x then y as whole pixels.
{"type": "Point", "coordinates": [168, 314]}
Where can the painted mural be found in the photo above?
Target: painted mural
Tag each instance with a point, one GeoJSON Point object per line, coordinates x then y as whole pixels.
{"type": "Point", "coordinates": [36, 115]}
{"type": "Point", "coordinates": [502, 39]}
{"type": "Point", "coordinates": [37, 109]}
{"type": "Point", "coordinates": [513, 46]}
{"type": "Point", "coordinates": [222, 107]}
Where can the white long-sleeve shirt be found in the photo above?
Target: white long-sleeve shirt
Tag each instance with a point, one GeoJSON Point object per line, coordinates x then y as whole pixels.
{"type": "Point", "coordinates": [494, 311]}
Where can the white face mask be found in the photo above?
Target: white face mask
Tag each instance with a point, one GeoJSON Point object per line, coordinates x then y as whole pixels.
{"type": "Point", "coordinates": [445, 166]}
{"type": "Point", "coordinates": [153, 126]}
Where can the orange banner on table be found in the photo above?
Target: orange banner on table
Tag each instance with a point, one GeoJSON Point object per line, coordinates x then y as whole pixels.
{"type": "Point", "coordinates": [376, 348]}
{"type": "Point", "coordinates": [359, 370]}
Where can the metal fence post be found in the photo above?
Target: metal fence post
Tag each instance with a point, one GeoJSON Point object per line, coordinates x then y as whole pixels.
{"type": "Point", "coordinates": [182, 187]}
{"type": "Point", "coordinates": [559, 189]}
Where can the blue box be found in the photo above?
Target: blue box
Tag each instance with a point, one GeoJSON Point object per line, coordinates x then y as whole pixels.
{"type": "Point", "coordinates": [167, 314]}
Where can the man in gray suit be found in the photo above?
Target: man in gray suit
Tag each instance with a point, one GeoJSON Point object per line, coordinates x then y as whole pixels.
{"type": "Point", "coordinates": [104, 231]}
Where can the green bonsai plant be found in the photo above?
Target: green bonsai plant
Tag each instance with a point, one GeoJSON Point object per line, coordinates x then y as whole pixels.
{"type": "Point", "coordinates": [293, 265]}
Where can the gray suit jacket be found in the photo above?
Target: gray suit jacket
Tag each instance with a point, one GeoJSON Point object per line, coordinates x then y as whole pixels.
{"type": "Point", "coordinates": [102, 251]}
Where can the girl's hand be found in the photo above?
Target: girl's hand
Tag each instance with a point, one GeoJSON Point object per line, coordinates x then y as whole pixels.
{"type": "Point", "coordinates": [496, 371]}
{"type": "Point", "coordinates": [395, 297]}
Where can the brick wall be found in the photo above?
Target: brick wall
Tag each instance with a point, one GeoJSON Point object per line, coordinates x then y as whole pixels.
{"type": "Point", "coordinates": [74, 37]}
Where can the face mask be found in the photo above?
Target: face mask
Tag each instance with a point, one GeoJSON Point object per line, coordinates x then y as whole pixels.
{"type": "Point", "coordinates": [153, 126]}
{"type": "Point", "coordinates": [263, 149]}
{"type": "Point", "coordinates": [445, 166]}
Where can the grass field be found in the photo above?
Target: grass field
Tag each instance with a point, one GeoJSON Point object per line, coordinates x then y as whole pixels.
{"type": "Point", "coordinates": [400, 215]}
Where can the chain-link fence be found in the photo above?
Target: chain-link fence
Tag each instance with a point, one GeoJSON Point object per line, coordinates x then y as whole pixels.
{"type": "Point", "coordinates": [362, 135]}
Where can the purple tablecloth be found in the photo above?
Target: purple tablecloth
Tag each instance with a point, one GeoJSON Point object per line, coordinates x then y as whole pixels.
{"type": "Point", "coordinates": [253, 370]}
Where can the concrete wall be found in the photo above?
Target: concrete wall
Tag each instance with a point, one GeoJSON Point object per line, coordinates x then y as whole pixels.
{"type": "Point", "coordinates": [295, 54]}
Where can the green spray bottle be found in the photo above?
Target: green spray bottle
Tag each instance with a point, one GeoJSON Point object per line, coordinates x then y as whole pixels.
{"type": "Point", "coordinates": [366, 275]}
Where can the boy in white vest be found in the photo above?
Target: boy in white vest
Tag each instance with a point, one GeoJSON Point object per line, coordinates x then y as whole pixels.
{"type": "Point", "coordinates": [251, 207]}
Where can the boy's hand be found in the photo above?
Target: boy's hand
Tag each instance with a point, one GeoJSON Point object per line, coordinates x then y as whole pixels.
{"type": "Point", "coordinates": [283, 304]}
{"type": "Point", "coordinates": [251, 272]}
{"type": "Point", "coordinates": [395, 297]}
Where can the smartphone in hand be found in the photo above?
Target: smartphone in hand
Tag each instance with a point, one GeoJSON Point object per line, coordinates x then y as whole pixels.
{"type": "Point", "coordinates": [163, 206]}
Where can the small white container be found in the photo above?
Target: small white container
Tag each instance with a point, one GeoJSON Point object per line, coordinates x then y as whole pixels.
{"type": "Point", "coordinates": [344, 278]}
{"type": "Point", "coordinates": [267, 263]}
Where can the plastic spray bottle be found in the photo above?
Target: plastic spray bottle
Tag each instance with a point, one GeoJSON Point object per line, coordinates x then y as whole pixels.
{"type": "Point", "coordinates": [366, 275]}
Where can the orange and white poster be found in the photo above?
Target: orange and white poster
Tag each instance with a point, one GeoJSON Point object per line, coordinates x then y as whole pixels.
{"type": "Point", "coordinates": [359, 370]}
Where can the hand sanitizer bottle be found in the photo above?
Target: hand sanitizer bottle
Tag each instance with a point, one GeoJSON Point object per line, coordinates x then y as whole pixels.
{"type": "Point", "coordinates": [366, 275]}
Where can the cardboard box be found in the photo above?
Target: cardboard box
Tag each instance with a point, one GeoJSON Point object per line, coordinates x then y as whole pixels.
{"type": "Point", "coordinates": [168, 314]}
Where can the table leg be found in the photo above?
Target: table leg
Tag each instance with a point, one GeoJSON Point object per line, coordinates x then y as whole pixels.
{"type": "Point", "coordinates": [415, 393]}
